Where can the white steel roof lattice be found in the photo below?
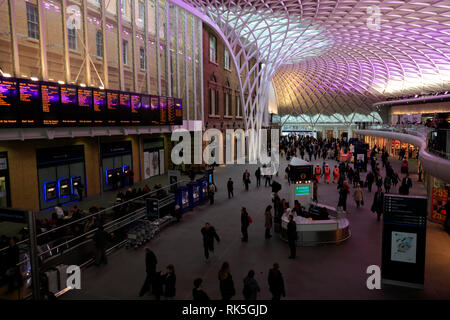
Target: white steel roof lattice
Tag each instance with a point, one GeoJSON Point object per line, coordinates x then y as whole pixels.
{"type": "Point", "coordinates": [325, 57]}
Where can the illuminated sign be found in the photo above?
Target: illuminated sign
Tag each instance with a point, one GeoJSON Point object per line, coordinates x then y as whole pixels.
{"type": "Point", "coordinates": [302, 190]}
{"type": "Point", "coordinates": [8, 101]}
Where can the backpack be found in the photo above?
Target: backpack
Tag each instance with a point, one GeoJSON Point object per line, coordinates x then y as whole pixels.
{"type": "Point", "coordinates": [250, 220]}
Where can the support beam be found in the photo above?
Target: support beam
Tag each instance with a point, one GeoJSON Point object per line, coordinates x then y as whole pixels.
{"type": "Point", "coordinates": [104, 43]}
{"type": "Point", "coordinates": [42, 40]}
{"type": "Point", "coordinates": [133, 45]}
{"type": "Point", "coordinates": [147, 60]}
{"type": "Point", "coordinates": [86, 42]}
{"type": "Point", "coordinates": [67, 76]}
{"type": "Point", "coordinates": [13, 31]}
{"type": "Point", "coordinates": [119, 44]}
{"type": "Point", "coordinates": [158, 57]}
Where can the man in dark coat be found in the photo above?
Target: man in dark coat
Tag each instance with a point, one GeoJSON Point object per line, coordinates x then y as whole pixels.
{"type": "Point", "coordinates": [276, 282]}
{"type": "Point", "coordinates": [370, 179]}
{"type": "Point", "coordinates": [150, 268]}
{"type": "Point", "coordinates": [292, 236]}
{"type": "Point", "coordinates": [101, 238]}
{"type": "Point", "coordinates": [230, 188]}
{"type": "Point", "coordinates": [377, 205]}
{"type": "Point", "coordinates": [244, 224]}
{"type": "Point", "coordinates": [258, 176]}
{"type": "Point", "coordinates": [246, 179]}
{"type": "Point", "coordinates": [209, 234]}
{"type": "Point", "coordinates": [197, 293]}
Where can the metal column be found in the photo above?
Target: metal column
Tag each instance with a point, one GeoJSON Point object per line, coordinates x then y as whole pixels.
{"type": "Point", "coordinates": [147, 60]}
{"type": "Point", "coordinates": [158, 57]}
{"type": "Point", "coordinates": [35, 277]}
{"type": "Point", "coordinates": [133, 45]}
{"type": "Point", "coordinates": [86, 42]}
{"type": "Point", "coordinates": [65, 42]}
{"type": "Point", "coordinates": [104, 44]}
{"type": "Point", "coordinates": [14, 44]}
{"type": "Point", "coordinates": [42, 40]}
{"type": "Point", "coordinates": [119, 44]}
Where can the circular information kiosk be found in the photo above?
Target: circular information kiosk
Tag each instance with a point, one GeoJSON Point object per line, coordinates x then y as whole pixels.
{"type": "Point", "coordinates": [333, 230]}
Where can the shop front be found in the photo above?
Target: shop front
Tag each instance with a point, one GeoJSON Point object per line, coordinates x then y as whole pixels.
{"type": "Point", "coordinates": [59, 170]}
{"type": "Point", "coordinates": [154, 157]}
{"type": "Point", "coordinates": [5, 195]}
{"type": "Point", "coordinates": [116, 160]}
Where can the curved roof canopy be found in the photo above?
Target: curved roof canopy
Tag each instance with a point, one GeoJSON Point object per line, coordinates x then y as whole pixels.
{"type": "Point", "coordinates": [346, 54]}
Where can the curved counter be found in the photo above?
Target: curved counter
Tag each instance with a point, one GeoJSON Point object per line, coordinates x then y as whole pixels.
{"type": "Point", "coordinates": [317, 232]}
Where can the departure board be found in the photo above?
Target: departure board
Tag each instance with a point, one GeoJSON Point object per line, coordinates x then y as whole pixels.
{"type": "Point", "coordinates": [145, 111]}
{"type": "Point", "coordinates": [69, 104]}
{"type": "Point", "coordinates": [178, 111]}
{"type": "Point", "coordinates": [162, 110]}
{"type": "Point", "coordinates": [8, 102]}
{"type": "Point", "coordinates": [125, 108]}
{"type": "Point", "coordinates": [29, 102]}
{"type": "Point", "coordinates": [99, 107]}
{"type": "Point", "coordinates": [136, 106]}
{"type": "Point", "coordinates": [155, 109]}
{"type": "Point", "coordinates": [170, 111]}
{"type": "Point", "coordinates": [113, 102]}
{"type": "Point", "coordinates": [85, 102]}
{"type": "Point", "coordinates": [50, 104]}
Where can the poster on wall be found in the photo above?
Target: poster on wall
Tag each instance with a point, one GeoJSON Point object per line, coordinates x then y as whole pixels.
{"type": "Point", "coordinates": [439, 199]}
{"type": "Point", "coordinates": [404, 247]}
{"type": "Point", "coordinates": [147, 165]}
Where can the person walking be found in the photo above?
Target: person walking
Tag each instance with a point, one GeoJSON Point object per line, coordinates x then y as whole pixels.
{"type": "Point", "coordinates": [370, 179]}
{"type": "Point", "coordinates": [358, 195]}
{"type": "Point", "coordinates": [315, 190]}
{"type": "Point", "coordinates": [251, 287]}
{"type": "Point", "coordinates": [211, 191]}
{"type": "Point", "coordinates": [377, 205]}
{"type": "Point", "coordinates": [150, 268]}
{"type": "Point", "coordinates": [335, 174]}
{"type": "Point", "coordinates": [209, 234]}
{"type": "Point", "coordinates": [230, 187]}
{"type": "Point", "coordinates": [387, 184]}
{"type": "Point", "coordinates": [246, 179]}
{"type": "Point", "coordinates": [226, 282]}
{"type": "Point", "coordinates": [292, 236]}
{"type": "Point", "coordinates": [343, 193]}
{"type": "Point", "coordinates": [169, 281]}
{"type": "Point", "coordinates": [268, 221]}
{"type": "Point", "coordinates": [101, 238]}
{"type": "Point", "coordinates": [276, 282]}
{"type": "Point", "coordinates": [245, 223]}
{"type": "Point", "coordinates": [258, 176]}
{"type": "Point", "coordinates": [405, 186]}
{"type": "Point", "coordinates": [288, 173]}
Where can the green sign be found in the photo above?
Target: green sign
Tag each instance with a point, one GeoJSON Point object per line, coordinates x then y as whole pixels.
{"type": "Point", "coordinates": [302, 190]}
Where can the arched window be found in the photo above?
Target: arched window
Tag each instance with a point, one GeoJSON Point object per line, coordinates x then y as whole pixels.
{"type": "Point", "coordinates": [99, 43]}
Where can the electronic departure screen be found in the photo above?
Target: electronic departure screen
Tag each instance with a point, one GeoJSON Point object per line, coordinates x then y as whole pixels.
{"type": "Point", "coordinates": [50, 103]}
{"type": "Point", "coordinates": [125, 108]}
{"type": "Point", "coordinates": [170, 111]}
{"type": "Point", "coordinates": [8, 102]}
{"type": "Point", "coordinates": [113, 102]}
{"type": "Point", "coordinates": [145, 111]}
{"type": "Point", "coordinates": [178, 111]}
{"type": "Point", "coordinates": [99, 106]}
{"type": "Point", "coordinates": [85, 102]}
{"type": "Point", "coordinates": [29, 102]}
{"type": "Point", "coordinates": [162, 110]}
{"type": "Point", "coordinates": [136, 107]}
{"type": "Point", "coordinates": [69, 105]}
{"type": "Point", "coordinates": [155, 110]}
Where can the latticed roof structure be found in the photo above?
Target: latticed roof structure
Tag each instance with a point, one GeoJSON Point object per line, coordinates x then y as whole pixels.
{"type": "Point", "coordinates": [334, 57]}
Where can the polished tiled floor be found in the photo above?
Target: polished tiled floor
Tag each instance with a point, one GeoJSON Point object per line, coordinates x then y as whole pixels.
{"type": "Point", "coordinates": [325, 272]}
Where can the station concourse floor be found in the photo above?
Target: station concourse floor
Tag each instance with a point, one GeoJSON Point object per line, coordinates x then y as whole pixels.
{"type": "Point", "coordinates": [323, 272]}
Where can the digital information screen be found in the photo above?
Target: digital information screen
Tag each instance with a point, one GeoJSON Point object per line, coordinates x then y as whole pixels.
{"type": "Point", "coordinates": [125, 109]}
{"type": "Point", "coordinates": [113, 101]}
{"type": "Point", "coordinates": [136, 107]}
{"type": "Point", "coordinates": [162, 110]}
{"type": "Point", "coordinates": [170, 111]}
{"type": "Point", "coordinates": [50, 104]}
{"type": "Point", "coordinates": [155, 110]}
{"type": "Point", "coordinates": [69, 103]}
{"type": "Point", "coordinates": [29, 102]}
{"type": "Point", "coordinates": [99, 107]}
{"type": "Point", "coordinates": [302, 190]}
{"type": "Point", "coordinates": [84, 108]}
{"type": "Point", "coordinates": [8, 102]}
{"type": "Point", "coordinates": [178, 112]}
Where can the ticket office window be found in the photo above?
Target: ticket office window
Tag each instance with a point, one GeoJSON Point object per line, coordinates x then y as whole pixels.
{"type": "Point", "coordinates": [61, 172]}
{"type": "Point", "coordinates": [115, 162]}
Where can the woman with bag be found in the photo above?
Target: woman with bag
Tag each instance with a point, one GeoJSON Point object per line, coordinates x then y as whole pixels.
{"type": "Point", "coordinates": [226, 282]}
{"type": "Point", "coordinates": [245, 222]}
{"type": "Point", "coordinates": [358, 196]}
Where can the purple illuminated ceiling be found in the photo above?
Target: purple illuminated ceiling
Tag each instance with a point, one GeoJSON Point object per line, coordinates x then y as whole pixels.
{"type": "Point", "coordinates": [374, 49]}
